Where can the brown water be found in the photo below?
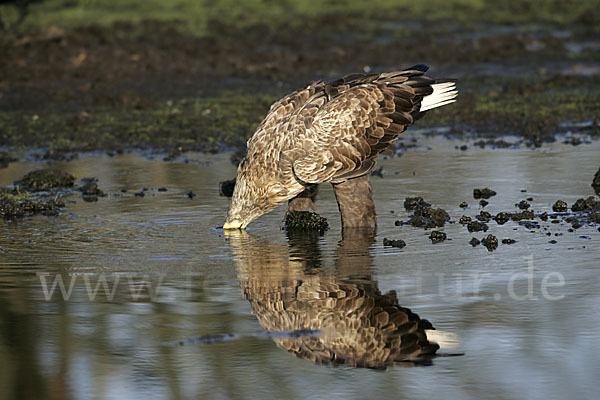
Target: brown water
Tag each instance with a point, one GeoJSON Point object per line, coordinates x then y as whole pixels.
{"type": "Point", "coordinates": [170, 275]}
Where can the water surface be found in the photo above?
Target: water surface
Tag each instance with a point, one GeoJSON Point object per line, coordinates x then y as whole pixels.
{"type": "Point", "coordinates": [170, 275]}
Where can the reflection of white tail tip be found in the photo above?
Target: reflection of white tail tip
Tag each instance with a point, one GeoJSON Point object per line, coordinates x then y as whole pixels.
{"type": "Point", "coordinates": [443, 93]}
{"type": "Point", "coordinates": [446, 340]}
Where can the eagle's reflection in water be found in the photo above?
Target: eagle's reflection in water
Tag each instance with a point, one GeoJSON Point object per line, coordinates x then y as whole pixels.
{"type": "Point", "coordinates": [289, 289]}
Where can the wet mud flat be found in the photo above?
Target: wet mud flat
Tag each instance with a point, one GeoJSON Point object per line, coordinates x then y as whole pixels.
{"type": "Point", "coordinates": [89, 87]}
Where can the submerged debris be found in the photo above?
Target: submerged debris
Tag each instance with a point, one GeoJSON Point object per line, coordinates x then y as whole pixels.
{"type": "Point", "coordinates": [474, 242]}
{"type": "Point", "coordinates": [412, 203]}
{"type": "Point", "coordinates": [560, 206]}
{"type": "Point", "coordinates": [501, 218]}
{"type": "Point", "coordinates": [16, 204]}
{"type": "Point", "coordinates": [45, 179]}
{"type": "Point", "coordinates": [523, 205]}
{"type": "Point", "coordinates": [463, 204]}
{"type": "Point", "coordinates": [437, 236]}
{"type": "Point", "coordinates": [226, 187]}
{"type": "Point", "coordinates": [483, 193]}
{"type": "Point", "coordinates": [491, 242]}
{"type": "Point", "coordinates": [476, 226]}
{"type": "Point", "coordinates": [427, 217]}
{"type": "Point", "coordinates": [90, 190]}
{"type": "Point", "coordinates": [399, 243]}
{"type": "Point", "coordinates": [509, 241]}
{"type": "Point", "coordinates": [483, 203]}
{"type": "Point", "coordinates": [589, 204]}
{"type": "Point", "coordinates": [465, 219]}
{"type": "Point", "coordinates": [305, 221]}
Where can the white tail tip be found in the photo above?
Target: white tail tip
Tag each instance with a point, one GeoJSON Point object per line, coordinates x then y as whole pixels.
{"type": "Point", "coordinates": [446, 340]}
{"type": "Point", "coordinates": [443, 93]}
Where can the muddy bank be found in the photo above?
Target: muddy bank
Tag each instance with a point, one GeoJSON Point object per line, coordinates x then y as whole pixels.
{"type": "Point", "coordinates": [109, 87]}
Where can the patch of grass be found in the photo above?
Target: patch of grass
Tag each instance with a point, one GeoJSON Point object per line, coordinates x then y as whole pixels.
{"type": "Point", "coordinates": [208, 124]}
{"type": "Point", "coordinates": [196, 15]}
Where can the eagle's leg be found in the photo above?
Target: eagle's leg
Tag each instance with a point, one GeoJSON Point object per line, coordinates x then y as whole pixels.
{"type": "Point", "coordinates": [355, 201]}
{"type": "Point", "coordinates": [304, 201]}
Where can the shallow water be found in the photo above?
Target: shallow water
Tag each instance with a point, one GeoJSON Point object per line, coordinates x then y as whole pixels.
{"type": "Point", "coordinates": [171, 275]}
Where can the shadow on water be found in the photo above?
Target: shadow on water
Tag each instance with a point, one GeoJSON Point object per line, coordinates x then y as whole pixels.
{"type": "Point", "coordinates": [290, 289]}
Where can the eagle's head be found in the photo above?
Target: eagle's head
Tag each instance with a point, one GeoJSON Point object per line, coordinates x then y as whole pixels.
{"type": "Point", "coordinates": [256, 193]}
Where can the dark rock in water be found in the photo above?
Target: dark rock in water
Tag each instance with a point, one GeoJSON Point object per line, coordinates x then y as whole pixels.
{"type": "Point", "coordinates": [437, 236]}
{"type": "Point", "coordinates": [427, 217]}
{"type": "Point", "coordinates": [46, 179]}
{"type": "Point", "coordinates": [509, 241]}
{"type": "Point", "coordinates": [16, 204]}
{"type": "Point", "coordinates": [463, 204]}
{"type": "Point", "coordinates": [523, 205]}
{"type": "Point", "coordinates": [531, 225]}
{"type": "Point", "coordinates": [552, 241]}
{"type": "Point", "coordinates": [162, 189]}
{"type": "Point", "coordinates": [474, 242]}
{"type": "Point", "coordinates": [596, 183]}
{"type": "Point", "coordinates": [226, 187]}
{"type": "Point", "coordinates": [6, 159]}
{"type": "Point", "coordinates": [502, 218]}
{"type": "Point", "coordinates": [139, 194]}
{"type": "Point", "coordinates": [464, 219]}
{"type": "Point", "coordinates": [483, 193]}
{"type": "Point", "coordinates": [491, 242]}
{"type": "Point", "coordinates": [529, 199]}
{"type": "Point", "coordinates": [190, 194]}
{"type": "Point", "coordinates": [528, 214]}
{"type": "Point", "coordinates": [412, 203]}
{"type": "Point", "coordinates": [305, 221]}
{"type": "Point", "coordinates": [90, 187]}
{"type": "Point", "coordinates": [484, 216]}
{"type": "Point", "coordinates": [483, 203]}
{"type": "Point", "coordinates": [399, 243]}
{"type": "Point", "coordinates": [476, 226]}
{"type": "Point", "coordinates": [560, 206]}
{"type": "Point", "coordinates": [544, 216]}
{"type": "Point", "coordinates": [589, 204]}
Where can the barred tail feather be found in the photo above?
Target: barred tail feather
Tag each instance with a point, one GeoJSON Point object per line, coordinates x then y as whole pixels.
{"type": "Point", "coordinates": [443, 93]}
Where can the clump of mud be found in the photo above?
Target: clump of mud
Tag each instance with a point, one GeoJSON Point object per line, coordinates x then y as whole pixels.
{"type": "Point", "coordinates": [483, 193]}
{"type": "Point", "coordinates": [490, 242]}
{"type": "Point", "coordinates": [90, 190]}
{"type": "Point", "coordinates": [560, 206]}
{"type": "Point", "coordinates": [586, 205]}
{"type": "Point", "coordinates": [501, 218]}
{"type": "Point", "coordinates": [16, 204]}
{"type": "Point", "coordinates": [424, 216]}
{"type": "Point", "coordinates": [6, 159]}
{"type": "Point", "coordinates": [523, 205]}
{"type": "Point", "coordinates": [399, 243]}
{"type": "Point", "coordinates": [413, 203]}
{"type": "Point", "coordinates": [43, 180]}
{"type": "Point", "coordinates": [226, 187]}
{"type": "Point", "coordinates": [305, 221]}
{"type": "Point", "coordinates": [477, 226]}
{"type": "Point", "coordinates": [437, 236]}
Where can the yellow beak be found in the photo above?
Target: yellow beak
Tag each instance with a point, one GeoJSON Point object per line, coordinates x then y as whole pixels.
{"type": "Point", "coordinates": [235, 224]}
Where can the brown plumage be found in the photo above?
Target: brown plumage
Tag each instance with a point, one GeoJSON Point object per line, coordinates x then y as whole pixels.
{"type": "Point", "coordinates": [289, 290]}
{"type": "Point", "coordinates": [331, 132]}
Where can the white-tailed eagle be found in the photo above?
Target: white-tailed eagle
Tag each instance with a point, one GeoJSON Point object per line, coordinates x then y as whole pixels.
{"type": "Point", "coordinates": [331, 132]}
